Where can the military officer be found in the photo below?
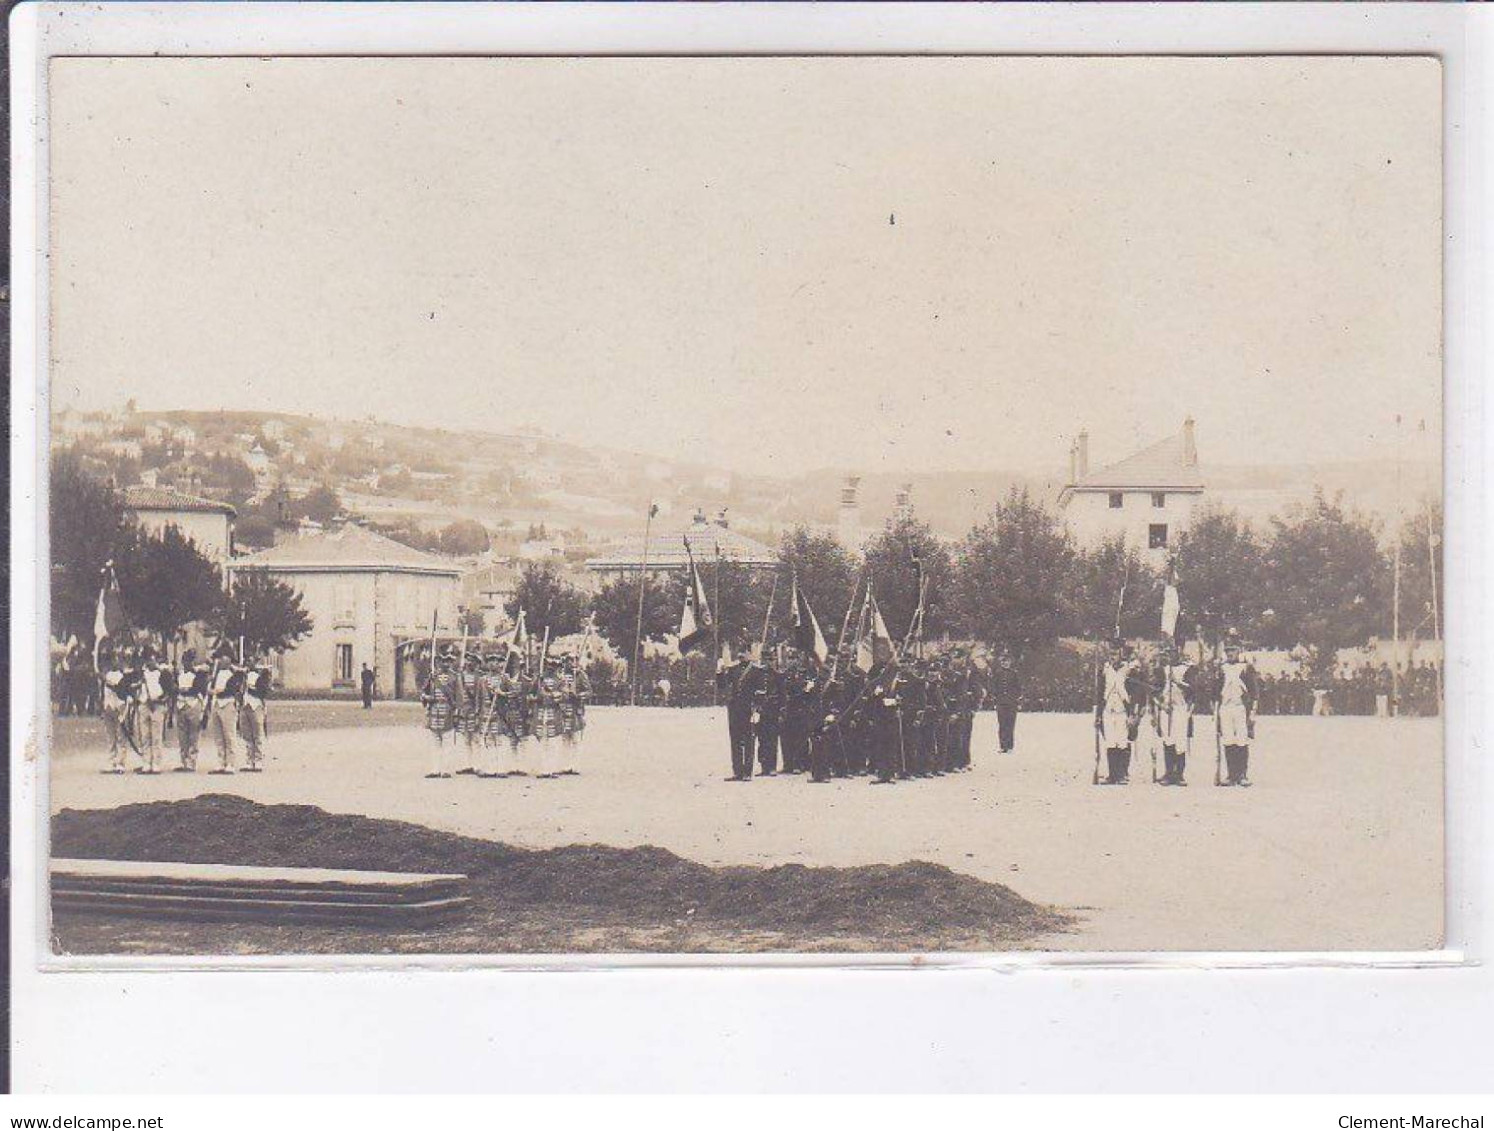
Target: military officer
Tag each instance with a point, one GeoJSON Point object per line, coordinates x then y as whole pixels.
{"type": "Point", "coordinates": [1239, 690]}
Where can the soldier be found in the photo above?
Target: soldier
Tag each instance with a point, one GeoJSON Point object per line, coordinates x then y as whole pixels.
{"type": "Point", "coordinates": [1117, 711]}
{"type": "Point", "coordinates": [972, 699]}
{"type": "Point", "coordinates": [114, 701]}
{"type": "Point", "coordinates": [469, 710]}
{"type": "Point", "coordinates": [224, 689]}
{"type": "Point", "coordinates": [191, 697]}
{"type": "Point", "coordinates": [493, 722]}
{"type": "Point", "coordinates": [1175, 714]}
{"type": "Point", "coordinates": [1239, 690]}
{"type": "Point", "coordinates": [151, 695]}
{"type": "Point", "coordinates": [575, 691]}
{"type": "Point", "coordinates": [801, 693]}
{"type": "Point", "coordinates": [768, 709]}
{"type": "Point", "coordinates": [1006, 690]}
{"type": "Point", "coordinates": [737, 683]}
{"type": "Point", "coordinates": [917, 694]}
{"type": "Point", "coordinates": [548, 695]}
{"type": "Point", "coordinates": [441, 697]}
{"type": "Point", "coordinates": [884, 725]}
{"type": "Point", "coordinates": [253, 718]}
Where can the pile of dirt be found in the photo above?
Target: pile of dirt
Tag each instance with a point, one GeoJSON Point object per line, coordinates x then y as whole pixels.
{"type": "Point", "coordinates": [581, 897]}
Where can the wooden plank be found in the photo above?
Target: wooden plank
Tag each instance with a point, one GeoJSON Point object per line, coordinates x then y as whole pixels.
{"type": "Point", "coordinates": [173, 871]}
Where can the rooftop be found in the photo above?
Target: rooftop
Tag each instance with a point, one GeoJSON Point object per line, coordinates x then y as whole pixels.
{"type": "Point", "coordinates": [165, 499]}
{"type": "Point", "coordinates": [666, 550]}
{"type": "Point", "coordinates": [348, 548]}
{"type": "Point", "coordinates": [1170, 464]}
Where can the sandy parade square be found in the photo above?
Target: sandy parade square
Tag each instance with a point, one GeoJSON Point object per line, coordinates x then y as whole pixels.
{"type": "Point", "coordinates": [1333, 848]}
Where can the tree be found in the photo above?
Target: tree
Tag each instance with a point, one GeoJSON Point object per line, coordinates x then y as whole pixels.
{"type": "Point", "coordinates": [1220, 576]}
{"type": "Point", "coordinates": [1110, 587]}
{"type": "Point", "coordinates": [463, 537]}
{"type": "Point", "coordinates": [320, 504]}
{"type": "Point", "coordinates": [472, 622]}
{"type": "Point", "coordinates": [1329, 583]}
{"type": "Point", "coordinates": [166, 582]}
{"type": "Point", "coordinates": [265, 611]}
{"type": "Point", "coordinates": [1421, 571]}
{"type": "Point", "coordinates": [889, 566]}
{"type": "Point", "coordinates": [548, 600]}
{"type": "Point", "coordinates": [827, 572]}
{"type": "Point", "coordinates": [1010, 572]}
{"type": "Point", "coordinates": [254, 530]}
{"type": "Point", "coordinates": [616, 610]}
{"type": "Point", "coordinates": [87, 522]}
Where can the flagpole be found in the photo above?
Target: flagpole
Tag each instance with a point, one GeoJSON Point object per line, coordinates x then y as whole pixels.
{"type": "Point", "coordinates": [845, 626]}
{"type": "Point", "coordinates": [642, 582]}
{"type": "Point", "coordinates": [768, 616]}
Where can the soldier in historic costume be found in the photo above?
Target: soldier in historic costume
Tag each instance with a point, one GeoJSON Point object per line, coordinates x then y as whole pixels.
{"type": "Point", "coordinates": [1239, 691]}
{"type": "Point", "coordinates": [1006, 691]}
{"type": "Point", "coordinates": [191, 698]}
{"type": "Point", "coordinates": [253, 717]}
{"type": "Point", "coordinates": [224, 689]}
{"type": "Point", "coordinates": [470, 713]}
{"type": "Point", "coordinates": [1174, 714]}
{"type": "Point", "coordinates": [737, 683]}
{"type": "Point", "coordinates": [151, 696]}
{"type": "Point", "coordinates": [575, 691]}
{"type": "Point", "coordinates": [1117, 714]}
{"type": "Point", "coordinates": [114, 701]}
{"type": "Point", "coordinates": [441, 696]}
{"type": "Point", "coordinates": [548, 717]}
{"type": "Point", "coordinates": [492, 722]}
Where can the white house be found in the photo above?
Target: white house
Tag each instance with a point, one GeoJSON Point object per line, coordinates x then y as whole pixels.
{"type": "Point", "coordinates": [1148, 498]}
{"type": "Point", "coordinates": [368, 597]}
{"type": "Point", "coordinates": [206, 522]}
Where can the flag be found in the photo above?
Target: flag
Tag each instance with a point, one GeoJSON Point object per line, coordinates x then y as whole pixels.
{"type": "Point", "coordinates": [518, 639]}
{"type": "Point", "coordinates": [873, 641]}
{"type": "Point", "coordinates": [807, 634]}
{"type": "Point", "coordinates": [1170, 609]}
{"type": "Point", "coordinates": [881, 639]}
{"type": "Point", "coordinates": [865, 657]}
{"type": "Point", "coordinates": [695, 620]}
{"type": "Point", "coordinates": [109, 616]}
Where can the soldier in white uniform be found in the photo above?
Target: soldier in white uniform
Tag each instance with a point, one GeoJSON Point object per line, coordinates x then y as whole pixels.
{"type": "Point", "coordinates": [1175, 714]}
{"type": "Point", "coordinates": [151, 696]}
{"type": "Point", "coordinates": [1239, 689]}
{"type": "Point", "coordinates": [223, 709]}
{"type": "Point", "coordinates": [441, 698]}
{"type": "Point", "coordinates": [253, 704]}
{"type": "Point", "coordinates": [112, 705]}
{"type": "Point", "coordinates": [191, 697]}
{"type": "Point", "coordinates": [1119, 700]}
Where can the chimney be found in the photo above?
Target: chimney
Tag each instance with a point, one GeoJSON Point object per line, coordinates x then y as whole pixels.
{"type": "Point", "coordinates": [1190, 444]}
{"type": "Point", "coordinates": [849, 524]}
{"type": "Point", "coordinates": [721, 518]}
{"type": "Point", "coordinates": [1082, 445]}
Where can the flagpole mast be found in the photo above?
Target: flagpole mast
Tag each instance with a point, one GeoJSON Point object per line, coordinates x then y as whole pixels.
{"type": "Point", "coordinates": [845, 626]}
{"type": "Point", "coordinates": [768, 616]}
{"type": "Point", "coordinates": [638, 629]}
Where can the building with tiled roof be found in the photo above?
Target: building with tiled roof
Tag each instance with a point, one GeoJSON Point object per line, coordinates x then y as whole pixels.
{"type": "Point", "coordinates": [1148, 497]}
{"type": "Point", "coordinates": [368, 595]}
{"type": "Point", "coordinates": [207, 522]}
{"type": "Point", "coordinates": [666, 550]}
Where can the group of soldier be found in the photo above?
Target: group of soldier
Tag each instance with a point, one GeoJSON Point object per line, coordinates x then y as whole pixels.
{"type": "Point", "coordinates": [141, 698]}
{"type": "Point", "coordinates": [1161, 701]}
{"type": "Point", "coordinates": [501, 714]}
{"type": "Point", "coordinates": [905, 718]}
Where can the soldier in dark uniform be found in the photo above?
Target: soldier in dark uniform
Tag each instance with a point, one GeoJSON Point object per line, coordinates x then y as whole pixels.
{"type": "Point", "coordinates": [737, 684]}
{"type": "Point", "coordinates": [883, 725]}
{"type": "Point", "coordinates": [918, 721]}
{"type": "Point", "coordinates": [769, 711]}
{"type": "Point", "coordinates": [1006, 690]}
{"type": "Point", "coordinates": [801, 694]}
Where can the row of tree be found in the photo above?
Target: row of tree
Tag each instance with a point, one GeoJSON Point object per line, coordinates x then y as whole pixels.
{"type": "Point", "coordinates": [1317, 579]}
{"type": "Point", "coordinates": [165, 582]}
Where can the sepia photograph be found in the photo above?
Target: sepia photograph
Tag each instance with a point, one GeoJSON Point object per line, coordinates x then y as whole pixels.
{"type": "Point", "coordinates": [742, 506]}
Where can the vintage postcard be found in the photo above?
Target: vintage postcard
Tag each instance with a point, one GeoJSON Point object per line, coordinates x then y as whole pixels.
{"type": "Point", "coordinates": [773, 505]}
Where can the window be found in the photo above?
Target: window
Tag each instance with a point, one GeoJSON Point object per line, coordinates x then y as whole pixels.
{"type": "Point", "coordinates": [1159, 499]}
{"type": "Point", "coordinates": [342, 602]}
{"type": "Point", "coordinates": [1117, 500]}
{"type": "Point", "coordinates": [1156, 535]}
{"type": "Point", "coordinates": [344, 664]}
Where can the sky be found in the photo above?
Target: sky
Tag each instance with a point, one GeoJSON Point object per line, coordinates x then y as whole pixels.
{"type": "Point", "coordinates": [772, 265]}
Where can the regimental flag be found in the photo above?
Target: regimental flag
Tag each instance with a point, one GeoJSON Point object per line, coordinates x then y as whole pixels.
{"type": "Point", "coordinates": [1171, 607]}
{"type": "Point", "coordinates": [695, 621]}
{"type": "Point", "coordinates": [881, 640]}
{"type": "Point", "coordinates": [109, 616]}
{"type": "Point", "coordinates": [807, 634]}
{"type": "Point", "coordinates": [518, 639]}
{"type": "Point", "coordinates": [865, 658]}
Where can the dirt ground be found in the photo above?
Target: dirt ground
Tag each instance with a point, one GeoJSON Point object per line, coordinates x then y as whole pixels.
{"type": "Point", "coordinates": [1338, 845]}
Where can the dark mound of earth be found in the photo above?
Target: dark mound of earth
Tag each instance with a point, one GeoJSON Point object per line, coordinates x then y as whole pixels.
{"type": "Point", "coordinates": [585, 898]}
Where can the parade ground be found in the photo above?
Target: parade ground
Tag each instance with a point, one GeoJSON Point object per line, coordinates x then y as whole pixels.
{"type": "Point", "coordinates": [1338, 845]}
